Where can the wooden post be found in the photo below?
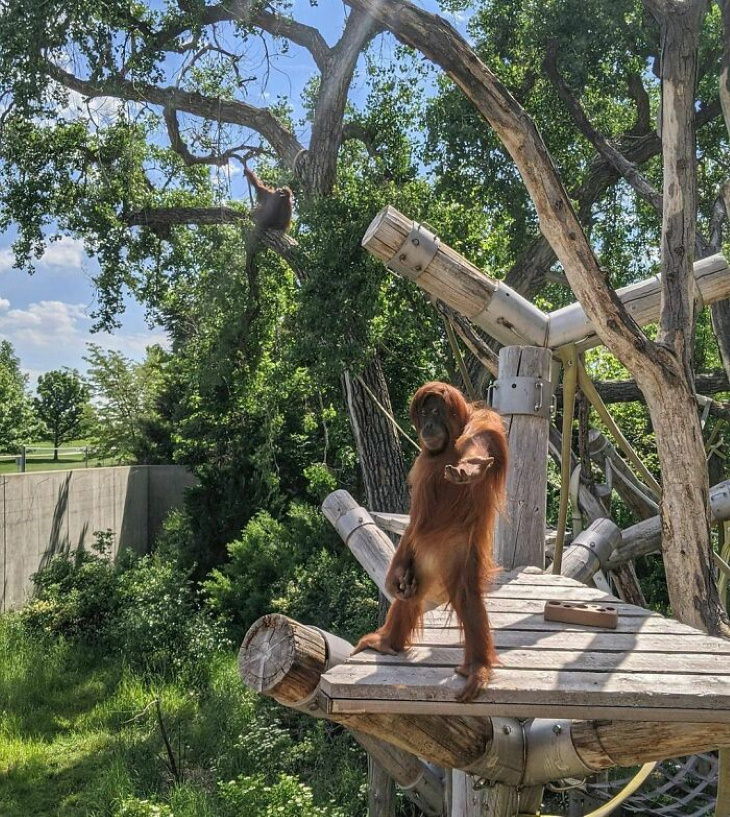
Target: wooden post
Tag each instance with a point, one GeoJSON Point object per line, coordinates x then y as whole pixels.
{"type": "Point", "coordinates": [520, 535]}
{"type": "Point", "coordinates": [285, 660]}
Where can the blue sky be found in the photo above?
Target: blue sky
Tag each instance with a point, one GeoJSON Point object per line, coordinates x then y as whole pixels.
{"type": "Point", "coordinates": [46, 316]}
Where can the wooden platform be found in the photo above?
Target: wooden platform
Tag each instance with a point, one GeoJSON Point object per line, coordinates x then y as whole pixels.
{"type": "Point", "coordinates": [650, 668]}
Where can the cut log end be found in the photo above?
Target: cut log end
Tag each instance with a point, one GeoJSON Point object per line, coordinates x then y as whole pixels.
{"type": "Point", "coordinates": [388, 213]}
{"type": "Point", "coordinates": [281, 658]}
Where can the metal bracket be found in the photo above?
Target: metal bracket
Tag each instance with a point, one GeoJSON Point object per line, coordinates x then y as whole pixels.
{"type": "Point", "coordinates": [415, 253]}
{"type": "Point", "coordinates": [504, 760]}
{"type": "Point", "coordinates": [521, 395]}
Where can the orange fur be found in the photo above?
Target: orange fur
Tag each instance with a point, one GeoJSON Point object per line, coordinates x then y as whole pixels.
{"type": "Point", "coordinates": [445, 553]}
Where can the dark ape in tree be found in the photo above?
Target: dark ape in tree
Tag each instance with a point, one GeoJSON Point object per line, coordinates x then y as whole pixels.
{"type": "Point", "coordinates": [273, 205]}
{"type": "Point", "coordinates": [457, 487]}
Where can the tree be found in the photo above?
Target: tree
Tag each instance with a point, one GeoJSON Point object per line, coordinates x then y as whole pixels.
{"type": "Point", "coordinates": [61, 405]}
{"type": "Point", "coordinates": [124, 394]}
{"type": "Point", "coordinates": [18, 423]}
{"type": "Point", "coordinates": [99, 182]}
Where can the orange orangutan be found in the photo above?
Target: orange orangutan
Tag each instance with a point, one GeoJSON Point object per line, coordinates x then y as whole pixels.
{"type": "Point", "coordinates": [457, 487]}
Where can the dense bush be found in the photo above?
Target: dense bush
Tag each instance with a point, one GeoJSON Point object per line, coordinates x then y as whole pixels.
{"type": "Point", "coordinates": [143, 607]}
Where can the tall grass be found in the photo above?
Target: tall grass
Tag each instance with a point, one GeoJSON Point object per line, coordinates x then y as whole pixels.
{"type": "Point", "coordinates": [79, 737]}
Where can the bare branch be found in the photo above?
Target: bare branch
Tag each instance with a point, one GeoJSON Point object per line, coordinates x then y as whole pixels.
{"type": "Point", "coordinates": [638, 93]}
{"type": "Point", "coordinates": [177, 143]}
{"type": "Point", "coordinates": [234, 112]}
{"type": "Point", "coordinates": [628, 170]}
{"type": "Point", "coordinates": [249, 13]}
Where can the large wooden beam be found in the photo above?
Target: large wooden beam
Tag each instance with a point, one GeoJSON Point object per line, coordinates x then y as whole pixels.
{"type": "Point", "coordinates": [285, 660]}
{"type": "Point", "coordinates": [645, 537]}
{"type": "Point", "coordinates": [448, 276]}
{"type": "Point", "coordinates": [501, 311]}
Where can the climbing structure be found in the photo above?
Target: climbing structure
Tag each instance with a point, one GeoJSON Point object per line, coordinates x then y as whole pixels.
{"type": "Point", "coordinates": [568, 699]}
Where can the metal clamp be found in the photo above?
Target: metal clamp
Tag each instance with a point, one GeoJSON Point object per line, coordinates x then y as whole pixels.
{"type": "Point", "coordinates": [415, 253]}
{"type": "Point", "coordinates": [521, 395]}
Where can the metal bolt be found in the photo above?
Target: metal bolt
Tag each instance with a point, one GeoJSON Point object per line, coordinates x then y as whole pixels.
{"type": "Point", "coordinates": [415, 242]}
{"type": "Point", "coordinates": [402, 257]}
{"type": "Point", "coordinates": [506, 730]}
{"type": "Point", "coordinates": [557, 728]}
{"type": "Point", "coordinates": [418, 267]}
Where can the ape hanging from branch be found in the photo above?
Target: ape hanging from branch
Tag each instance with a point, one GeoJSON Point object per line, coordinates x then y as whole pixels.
{"type": "Point", "coordinates": [273, 211]}
{"type": "Point", "coordinates": [445, 555]}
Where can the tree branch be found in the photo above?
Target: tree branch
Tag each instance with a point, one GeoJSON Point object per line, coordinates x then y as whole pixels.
{"type": "Point", "coordinates": [442, 44]}
{"type": "Point", "coordinates": [247, 12]}
{"type": "Point", "coordinates": [628, 170]}
{"type": "Point", "coordinates": [234, 112]}
{"type": "Point", "coordinates": [161, 219]}
{"type": "Point", "coordinates": [330, 109]}
{"type": "Point", "coordinates": [177, 143]}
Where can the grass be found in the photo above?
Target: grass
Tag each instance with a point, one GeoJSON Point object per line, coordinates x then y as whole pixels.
{"type": "Point", "coordinates": [79, 738]}
{"type": "Point", "coordinates": [45, 461]}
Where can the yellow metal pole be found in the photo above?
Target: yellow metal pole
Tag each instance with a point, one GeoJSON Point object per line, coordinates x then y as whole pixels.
{"type": "Point", "coordinates": [569, 359]}
{"type": "Point", "coordinates": [587, 387]}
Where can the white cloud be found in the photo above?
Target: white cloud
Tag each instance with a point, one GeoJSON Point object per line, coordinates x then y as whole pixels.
{"type": "Point", "coordinates": [44, 324]}
{"type": "Point", "coordinates": [4, 304]}
{"type": "Point", "coordinates": [65, 254]}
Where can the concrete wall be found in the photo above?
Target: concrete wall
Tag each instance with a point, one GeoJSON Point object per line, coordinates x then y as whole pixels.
{"type": "Point", "coordinates": [46, 512]}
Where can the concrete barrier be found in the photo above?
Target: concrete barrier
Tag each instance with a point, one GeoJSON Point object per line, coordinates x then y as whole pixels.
{"type": "Point", "coordinates": [47, 512]}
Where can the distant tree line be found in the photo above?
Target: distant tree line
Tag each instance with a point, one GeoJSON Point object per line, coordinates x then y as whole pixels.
{"type": "Point", "coordinates": [111, 408]}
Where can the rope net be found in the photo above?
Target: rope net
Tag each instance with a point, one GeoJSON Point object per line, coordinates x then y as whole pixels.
{"type": "Point", "coordinates": [683, 787]}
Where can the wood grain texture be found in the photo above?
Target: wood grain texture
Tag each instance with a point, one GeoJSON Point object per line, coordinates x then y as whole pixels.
{"type": "Point", "coordinates": [650, 668]}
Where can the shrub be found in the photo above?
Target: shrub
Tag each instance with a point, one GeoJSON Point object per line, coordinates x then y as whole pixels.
{"type": "Point", "coordinates": [285, 798]}
{"type": "Point", "coordinates": [143, 607]}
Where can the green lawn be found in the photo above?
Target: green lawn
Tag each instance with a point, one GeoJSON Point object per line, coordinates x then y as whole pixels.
{"type": "Point", "coordinates": [45, 462]}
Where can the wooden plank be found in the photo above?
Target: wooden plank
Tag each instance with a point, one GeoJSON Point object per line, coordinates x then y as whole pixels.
{"type": "Point", "coordinates": [535, 687]}
{"type": "Point", "coordinates": [566, 660]}
{"type": "Point", "coordinates": [534, 621]}
{"type": "Point", "coordinates": [498, 604]}
{"type": "Point", "coordinates": [531, 591]}
{"type": "Point", "coordinates": [557, 710]}
{"type": "Point", "coordinates": [605, 640]}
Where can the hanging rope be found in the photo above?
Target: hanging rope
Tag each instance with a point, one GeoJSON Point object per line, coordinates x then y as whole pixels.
{"type": "Point", "coordinates": [387, 413]}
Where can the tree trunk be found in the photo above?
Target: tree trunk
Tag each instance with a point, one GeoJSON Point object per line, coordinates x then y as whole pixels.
{"type": "Point", "coordinates": [378, 448]}
{"type": "Point", "coordinates": [685, 514]}
{"type": "Point", "coordinates": [384, 477]}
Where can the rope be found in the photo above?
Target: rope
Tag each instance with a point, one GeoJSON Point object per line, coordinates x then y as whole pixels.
{"type": "Point", "coordinates": [635, 783]}
{"type": "Point", "coordinates": [387, 413]}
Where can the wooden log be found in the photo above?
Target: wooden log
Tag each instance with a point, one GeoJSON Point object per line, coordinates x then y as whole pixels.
{"type": "Point", "coordinates": [571, 324]}
{"type": "Point", "coordinates": [503, 313]}
{"type": "Point", "coordinates": [285, 660]}
{"type": "Point", "coordinates": [602, 744]}
{"type": "Point", "coordinates": [520, 535]}
{"type": "Point", "coordinates": [590, 550]}
{"type": "Point", "coordinates": [646, 536]}
{"type": "Point", "coordinates": [448, 276]}
{"type": "Point", "coordinates": [370, 546]}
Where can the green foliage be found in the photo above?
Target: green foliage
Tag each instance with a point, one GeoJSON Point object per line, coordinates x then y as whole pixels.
{"type": "Point", "coordinates": [62, 405]}
{"type": "Point", "coordinates": [141, 606]}
{"type": "Point", "coordinates": [264, 559]}
{"type": "Point", "coordinates": [18, 422]}
{"type": "Point", "coordinates": [129, 424]}
{"type": "Point", "coordinates": [285, 798]}
{"type": "Point", "coordinates": [79, 738]}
